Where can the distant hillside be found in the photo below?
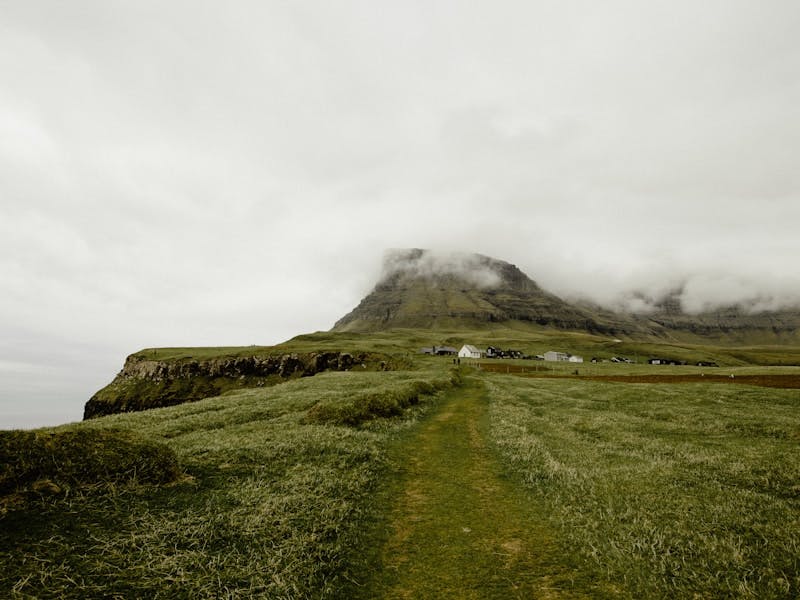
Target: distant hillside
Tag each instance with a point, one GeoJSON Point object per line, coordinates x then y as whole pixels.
{"type": "Point", "coordinates": [423, 289]}
{"type": "Point", "coordinates": [734, 324]}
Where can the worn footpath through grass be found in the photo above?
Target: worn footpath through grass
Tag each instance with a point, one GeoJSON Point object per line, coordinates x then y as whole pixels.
{"type": "Point", "coordinates": [458, 527]}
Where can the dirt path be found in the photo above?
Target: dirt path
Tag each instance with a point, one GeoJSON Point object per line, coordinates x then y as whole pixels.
{"type": "Point", "coordinates": [458, 528]}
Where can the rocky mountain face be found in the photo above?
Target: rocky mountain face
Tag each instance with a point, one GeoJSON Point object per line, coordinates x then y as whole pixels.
{"type": "Point", "coordinates": [734, 323]}
{"type": "Point", "coordinates": [145, 383]}
{"type": "Point", "coordinates": [421, 289]}
{"type": "Point", "coordinates": [731, 323]}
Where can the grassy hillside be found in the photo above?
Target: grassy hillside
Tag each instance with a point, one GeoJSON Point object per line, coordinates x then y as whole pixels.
{"type": "Point", "coordinates": [670, 491]}
{"type": "Point", "coordinates": [304, 489]}
{"type": "Point", "coordinates": [406, 343]}
{"type": "Point", "coordinates": [269, 503]}
{"type": "Point", "coordinates": [159, 377]}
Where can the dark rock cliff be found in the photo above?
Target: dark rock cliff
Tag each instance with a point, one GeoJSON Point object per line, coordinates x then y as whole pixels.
{"type": "Point", "coordinates": [144, 383]}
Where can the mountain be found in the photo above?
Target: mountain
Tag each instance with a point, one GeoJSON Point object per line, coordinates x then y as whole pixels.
{"type": "Point", "coordinates": [421, 289]}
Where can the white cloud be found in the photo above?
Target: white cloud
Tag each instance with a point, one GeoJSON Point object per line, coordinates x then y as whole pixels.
{"type": "Point", "coordinates": [433, 264]}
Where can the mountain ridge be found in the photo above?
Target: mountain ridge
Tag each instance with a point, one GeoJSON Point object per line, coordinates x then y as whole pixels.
{"type": "Point", "coordinates": [424, 289]}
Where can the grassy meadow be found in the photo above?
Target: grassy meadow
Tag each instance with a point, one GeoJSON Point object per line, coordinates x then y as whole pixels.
{"type": "Point", "coordinates": [685, 490]}
{"type": "Point", "coordinates": [633, 490]}
{"type": "Point", "coordinates": [269, 503]}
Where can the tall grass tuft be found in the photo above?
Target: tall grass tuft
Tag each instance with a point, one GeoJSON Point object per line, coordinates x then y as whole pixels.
{"type": "Point", "coordinates": [73, 457]}
{"type": "Point", "coordinates": [377, 403]}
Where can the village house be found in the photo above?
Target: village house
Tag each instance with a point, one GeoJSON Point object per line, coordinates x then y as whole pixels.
{"type": "Point", "coordinates": [664, 361]}
{"type": "Point", "coordinates": [494, 352]}
{"type": "Point", "coordinates": [553, 356]}
{"type": "Point", "coordinates": [439, 351]}
{"type": "Point", "coordinates": [469, 351]}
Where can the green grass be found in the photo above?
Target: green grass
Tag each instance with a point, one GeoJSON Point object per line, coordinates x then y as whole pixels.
{"type": "Point", "coordinates": [378, 402]}
{"type": "Point", "coordinates": [671, 491]}
{"type": "Point", "coordinates": [634, 490]}
{"type": "Point", "coordinates": [455, 526]}
{"type": "Point", "coordinates": [403, 346]}
{"type": "Point", "coordinates": [270, 504]}
{"type": "Point", "coordinates": [36, 463]}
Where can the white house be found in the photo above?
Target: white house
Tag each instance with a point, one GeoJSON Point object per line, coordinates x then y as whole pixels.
{"type": "Point", "coordinates": [469, 351]}
{"type": "Point", "coordinates": [562, 357]}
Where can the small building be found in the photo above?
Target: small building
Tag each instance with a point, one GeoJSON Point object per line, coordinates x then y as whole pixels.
{"type": "Point", "coordinates": [492, 352]}
{"type": "Point", "coordinates": [553, 356]}
{"type": "Point", "coordinates": [665, 361]}
{"type": "Point", "coordinates": [439, 351]}
{"type": "Point", "coordinates": [469, 351]}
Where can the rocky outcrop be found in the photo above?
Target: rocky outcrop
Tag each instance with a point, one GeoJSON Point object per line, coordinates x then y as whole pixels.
{"type": "Point", "coordinates": [146, 383]}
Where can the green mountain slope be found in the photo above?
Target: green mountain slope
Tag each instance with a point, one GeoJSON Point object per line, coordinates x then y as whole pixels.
{"type": "Point", "coordinates": [422, 290]}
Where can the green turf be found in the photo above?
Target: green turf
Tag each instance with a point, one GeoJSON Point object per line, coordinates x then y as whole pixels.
{"type": "Point", "coordinates": [671, 490]}
{"type": "Point", "coordinates": [269, 505]}
{"type": "Point", "coordinates": [455, 525]}
{"type": "Point", "coordinates": [633, 490]}
{"type": "Point", "coordinates": [404, 344]}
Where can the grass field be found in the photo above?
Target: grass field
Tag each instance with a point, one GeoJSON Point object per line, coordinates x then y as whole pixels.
{"type": "Point", "coordinates": [406, 343]}
{"type": "Point", "coordinates": [269, 504]}
{"type": "Point", "coordinates": [456, 526]}
{"type": "Point", "coordinates": [668, 490]}
{"type": "Point", "coordinates": [560, 487]}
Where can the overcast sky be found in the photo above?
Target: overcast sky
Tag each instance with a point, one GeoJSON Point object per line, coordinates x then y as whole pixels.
{"type": "Point", "coordinates": [197, 173]}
